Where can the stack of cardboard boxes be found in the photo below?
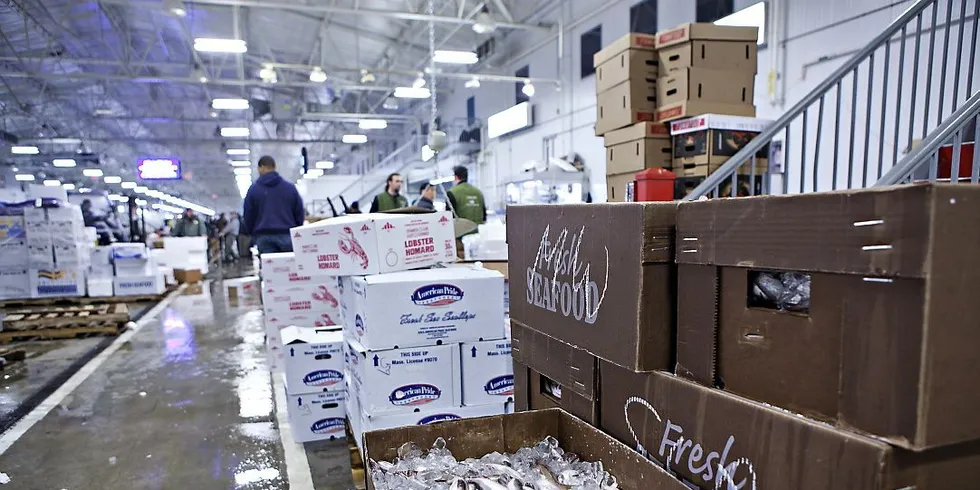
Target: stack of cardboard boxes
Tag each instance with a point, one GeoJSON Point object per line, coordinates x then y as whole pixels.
{"type": "Point", "coordinates": [422, 345]}
{"type": "Point", "coordinates": [644, 82]}
{"type": "Point", "coordinates": [813, 342]}
{"type": "Point", "coordinates": [313, 373]}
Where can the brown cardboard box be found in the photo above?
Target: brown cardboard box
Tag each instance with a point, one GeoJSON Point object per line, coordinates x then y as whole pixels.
{"type": "Point", "coordinates": [630, 58]}
{"type": "Point", "coordinates": [686, 33]}
{"type": "Point", "coordinates": [745, 186]}
{"type": "Point", "coordinates": [597, 276]}
{"type": "Point", "coordinates": [619, 187]}
{"type": "Point", "coordinates": [704, 170]}
{"type": "Point", "coordinates": [188, 276]}
{"type": "Point", "coordinates": [689, 108]}
{"type": "Point", "coordinates": [700, 430]}
{"type": "Point", "coordinates": [711, 139]}
{"type": "Point", "coordinates": [625, 104]}
{"type": "Point", "coordinates": [702, 84]}
{"type": "Point", "coordinates": [558, 375]}
{"type": "Point", "coordinates": [637, 147]}
{"type": "Point", "coordinates": [709, 46]}
{"type": "Point", "coordinates": [474, 438]}
{"type": "Point", "coordinates": [889, 339]}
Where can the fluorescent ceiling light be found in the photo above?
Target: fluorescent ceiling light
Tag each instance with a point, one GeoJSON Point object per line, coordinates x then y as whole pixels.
{"type": "Point", "coordinates": [313, 173]}
{"type": "Point", "coordinates": [240, 163]}
{"type": "Point", "coordinates": [69, 187]}
{"type": "Point", "coordinates": [24, 177]}
{"type": "Point", "coordinates": [528, 88]}
{"type": "Point", "coordinates": [234, 132]}
{"type": "Point", "coordinates": [212, 45]}
{"type": "Point", "coordinates": [84, 190]}
{"type": "Point", "coordinates": [128, 185]}
{"type": "Point", "coordinates": [472, 83]}
{"type": "Point", "coordinates": [229, 104]}
{"type": "Point", "coordinates": [63, 162]}
{"type": "Point", "coordinates": [354, 139]}
{"type": "Point", "coordinates": [115, 197]}
{"type": "Point", "coordinates": [372, 124]}
{"type": "Point", "coordinates": [141, 189]}
{"type": "Point", "coordinates": [412, 93]}
{"type": "Point", "coordinates": [239, 151]}
{"type": "Point", "coordinates": [509, 120]}
{"type": "Point", "coordinates": [24, 150]}
{"type": "Point", "coordinates": [751, 16]}
{"type": "Point", "coordinates": [52, 183]}
{"type": "Point", "coordinates": [317, 75]}
{"type": "Point", "coordinates": [242, 171]}
{"type": "Point", "coordinates": [455, 57]}
{"type": "Point", "coordinates": [92, 172]}
{"type": "Point", "coordinates": [141, 202]}
{"type": "Point", "coordinates": [112, 179]}
{"type": "Point", "coordinates": [325, 164]}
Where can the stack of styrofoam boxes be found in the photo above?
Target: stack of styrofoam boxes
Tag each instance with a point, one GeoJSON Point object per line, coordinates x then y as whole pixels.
{"type": "Point", "coordinates": [314, 379]}
{"type": "Point", "coordinates": [135, 271]}
{"type": "Point", "coordinates": [100, 272]}
{"type": "Point", "coordinates": [14, 267]}
{"type": "Point", "coordinates": [404, 324]}
{"type": "Point", "coordinates": [57, 251]}
{"type": "Point", "coordinates": [291, 297]}
{"type": "Point", "coordinates": [184, 253]}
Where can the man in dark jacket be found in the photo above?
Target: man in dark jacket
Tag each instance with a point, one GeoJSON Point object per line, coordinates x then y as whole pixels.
{"type": "Point", "coordinates": [427, 199]}
{"type": "Point", "coordinates": [272, 207]}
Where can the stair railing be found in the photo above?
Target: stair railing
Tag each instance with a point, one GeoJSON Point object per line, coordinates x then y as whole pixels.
{"type": "Point", "coordinates": [854, 125]}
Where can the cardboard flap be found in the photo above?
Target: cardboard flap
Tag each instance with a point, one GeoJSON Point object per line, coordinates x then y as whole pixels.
{"type": "Point", "coordinates": [707, 31]}
{"type": "Point", "coordinates": [572, 368]}
{"type": "Point", "coordinates": [630, 41]}
{"type": "Point", "coordinates": [879, 231]}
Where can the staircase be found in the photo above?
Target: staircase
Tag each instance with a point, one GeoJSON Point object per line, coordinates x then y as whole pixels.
{"type": "Point", "coordinates": [900, 110]}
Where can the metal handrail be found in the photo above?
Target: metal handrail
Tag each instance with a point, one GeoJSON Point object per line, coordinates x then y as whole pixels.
{"type": "Point", "coordinates": [901, 26]}
{"type": "Point", "coordinates": [949, 133]}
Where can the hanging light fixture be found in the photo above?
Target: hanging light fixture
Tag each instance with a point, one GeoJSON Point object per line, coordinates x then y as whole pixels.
{"type": "Point", "coordinates": [419, 81]}
{"type": "Point", "coordinates": [317, 75]}
{"type": "Point", "coordinates": [528, 89]}
{"type": "Point", "coordinates": [367, 77]}
{"type": "Point", "coordinates": [268, 74]}
{"type": "Point", "coordinates": [484, 23]}
{"type": "Point", "coordinates": [472, 83]}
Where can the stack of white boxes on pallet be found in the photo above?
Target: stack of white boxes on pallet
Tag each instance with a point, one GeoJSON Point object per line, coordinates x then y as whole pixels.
{"type": "Point", "coordinates": [422, 345]}
{"type": "Point", "coordinates": [291, 297]}
{"type": "Point", "coordinates": [49, 255]}
{"type": "Point", "coordinates": [135, 271]}
{"type": "Point", "coordinates": [314, 379]}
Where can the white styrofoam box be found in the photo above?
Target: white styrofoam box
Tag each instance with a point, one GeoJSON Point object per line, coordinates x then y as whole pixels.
{"type": "Point", "coordinates": [314, 359]}
{"type": "Point", "coordinates": [14, 253]}
{"type": "Point", "coordinates": [187, 253]}
{"type": "Point", "coordinates": [308, 319]}
{"type": "Point", "coordinates": [242, 288]}
{"type": "Point", "coordinates": [39, 235]}
{"type": "Point", "coordinates": [12, 228]}
{"type": "Point", "coordinates": [91, 234]}
{"type": "Point", "coordinates": [48, 283]}
{"type": "Point", "coordinates": [404, 380]}
{"type": "Point", "coordinates": [99, 286]}
{"type": "Point", "coordinates": [168, 274]}
{"type": "Point", "coordinates": [134, 267]}
{"type": "Point", "coordinates": [299, 298]}
{"type": "Point", "coordinates": [101, 271]}
{"type": "Point", "coordinates": [316, 416]}
{"type": "Point", "coordinates": [101, 256]}
{"type": "Point", "coordinates": [186, 244]}
{"type": "Point", "coordinates": [37, 191]}
{"type": "Point", "coordinates": [426, 416]}
{"type": "Point", "coordinates": [273, 348]}
{"type": "Point", "coordinates": [129, 251]}
{"type": "Point", "coordinates": [375, 243]}
{"type": "Point", "coordinates": [65, 213]}
{"type": "Point", "coordinates": [40, 256]}
{"type": "Point", "coordinates": [72, 255]}
{"type": "Point", "coordinates": [131, 286]}
{"type": "Point", "coordinates": [161, 256]}
{"type": "Point", "coordinates": [429, 306]}
{"type": "Point", "coordinates": [15, 283]}
{"type": "Point", "coordinates": [488, 372]}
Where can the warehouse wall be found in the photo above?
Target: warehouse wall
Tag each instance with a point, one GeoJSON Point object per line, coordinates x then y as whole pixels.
{"type": "Point", "coordinates": [819, 37]}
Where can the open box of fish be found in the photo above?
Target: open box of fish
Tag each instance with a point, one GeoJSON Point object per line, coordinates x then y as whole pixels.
{"type": "Point", "coordinates": [538, 450]}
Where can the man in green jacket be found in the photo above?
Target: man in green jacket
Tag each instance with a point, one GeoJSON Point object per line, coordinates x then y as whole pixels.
{"type": "Point", "coordinates": [466, 199]}
{"type": "Point", "coordinates": [390, 198]}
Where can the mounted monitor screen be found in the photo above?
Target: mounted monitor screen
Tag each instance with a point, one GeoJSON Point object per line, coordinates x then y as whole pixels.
{"type": "Point", "coordinates": [158, 169]}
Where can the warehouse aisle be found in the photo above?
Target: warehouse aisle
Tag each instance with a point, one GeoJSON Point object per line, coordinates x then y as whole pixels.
{"type": "Point", "coordinates": [185, 403]}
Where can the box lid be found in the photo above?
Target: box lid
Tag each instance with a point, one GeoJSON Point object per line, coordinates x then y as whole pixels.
{"type": "Point", "coordinates": [301, 335]}
{"type": "Point", "coordinates": [688, 32]}
{"type": "Point", "coordinates": [635, 132]}
{"type": "Point", "coordinates": [718, 121]}
{"type": "Point", "coordinates": [632, 40]}
{"type": "Point", "coordinates": [436, 274]}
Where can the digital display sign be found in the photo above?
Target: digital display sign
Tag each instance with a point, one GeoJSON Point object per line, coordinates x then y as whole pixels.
{"type": "Point", "coordinates": [158, 169]}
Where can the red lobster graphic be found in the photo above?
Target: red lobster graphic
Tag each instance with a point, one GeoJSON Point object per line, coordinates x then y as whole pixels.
{"type": "Point", "coordinates": [348, 245]}
{"type": "Point", "coordinates": [328, 322]}
{"type": "Point", "coordinates": [323, 294]}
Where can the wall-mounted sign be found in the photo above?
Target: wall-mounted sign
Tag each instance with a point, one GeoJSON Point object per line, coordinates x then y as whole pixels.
{"type": "Point", "coordinates": [158, 169]}
{"type": "Point", "coordinates": [509, 120]}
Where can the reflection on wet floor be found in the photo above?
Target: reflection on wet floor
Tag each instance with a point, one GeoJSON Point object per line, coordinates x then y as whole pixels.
{"type": "Point", "coordinates": [186, 403]}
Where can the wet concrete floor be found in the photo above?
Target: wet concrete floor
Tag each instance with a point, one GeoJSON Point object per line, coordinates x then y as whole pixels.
{"type": "Point", "coordinates": [186, 403]}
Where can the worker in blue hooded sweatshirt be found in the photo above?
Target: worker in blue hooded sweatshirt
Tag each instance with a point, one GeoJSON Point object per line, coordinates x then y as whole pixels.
{"type": "Point", "coordinates": [272, 207]}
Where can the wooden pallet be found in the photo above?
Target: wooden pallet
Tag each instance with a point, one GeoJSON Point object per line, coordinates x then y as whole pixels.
{"type": "Point", "coordinates": [47, 317]}
{"type": "Point", "coordinates": [60, 333]}
{"type": "Point", "coordinates": [81, 300]}
{"type": "Point", "coordinates": [12, 356]}
{"type": "Point", "coordinates": [358, 471]}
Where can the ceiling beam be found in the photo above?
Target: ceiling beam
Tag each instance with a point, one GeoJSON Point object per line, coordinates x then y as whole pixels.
{"type": "Point", "coordinates": [324, 8]}
{"type": "Point", "coordinates": [188, 80]}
